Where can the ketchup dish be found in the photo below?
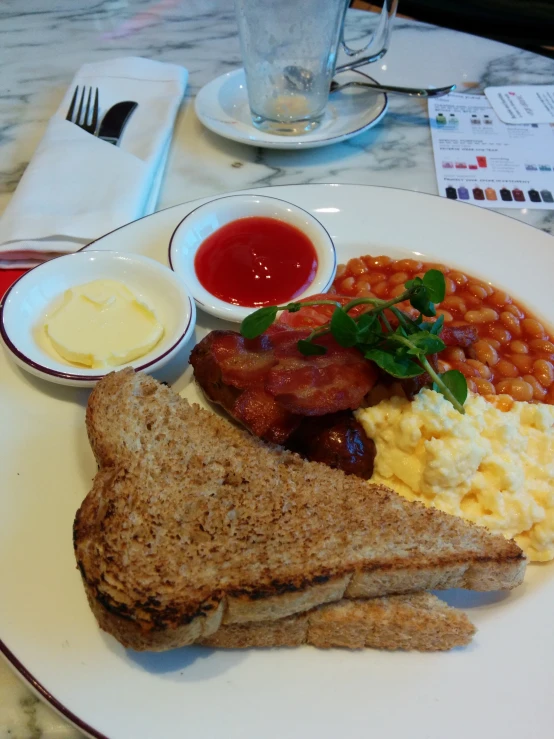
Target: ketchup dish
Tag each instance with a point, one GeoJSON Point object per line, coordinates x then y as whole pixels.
{"type": "Point", "coordinates": [242, 252]}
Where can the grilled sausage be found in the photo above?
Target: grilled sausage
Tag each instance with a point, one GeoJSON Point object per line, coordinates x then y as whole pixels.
{"type": "Point", "coordinates": [337, 440]}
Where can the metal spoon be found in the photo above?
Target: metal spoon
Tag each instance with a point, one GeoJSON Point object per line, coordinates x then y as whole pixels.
{"type": "Point", "coordinates": [433, 92]}
{"type": "Point", "coordinates": [302, 79]}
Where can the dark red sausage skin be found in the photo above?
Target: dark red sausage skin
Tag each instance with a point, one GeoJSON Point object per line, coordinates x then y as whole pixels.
{"type": "Point", "coordinates": [338, 441]}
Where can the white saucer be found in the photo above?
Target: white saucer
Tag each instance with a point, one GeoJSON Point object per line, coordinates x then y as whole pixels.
{"type": "Point", "coordinates": [222, 106]}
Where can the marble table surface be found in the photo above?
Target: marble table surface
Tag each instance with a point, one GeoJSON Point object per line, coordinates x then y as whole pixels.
{"type": "Point", "coordinates": [43, 43]}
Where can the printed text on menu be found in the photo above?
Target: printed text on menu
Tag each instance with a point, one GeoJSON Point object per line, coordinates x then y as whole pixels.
{"type": "Point", "coordinates": [480, 160]}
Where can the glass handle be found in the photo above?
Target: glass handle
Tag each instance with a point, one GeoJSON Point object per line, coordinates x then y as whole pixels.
{"type": "Point", "coordinates": [379, 39]}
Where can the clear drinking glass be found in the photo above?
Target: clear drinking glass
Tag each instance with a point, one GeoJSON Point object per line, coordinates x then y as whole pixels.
{"type": "Point", "coordinates": [289, 50]}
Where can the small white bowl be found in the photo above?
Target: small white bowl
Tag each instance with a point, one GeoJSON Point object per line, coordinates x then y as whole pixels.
{"type": "Point", "coordinates": [27, 301]}
{"type": "Point", "coordinates": [198, 225]}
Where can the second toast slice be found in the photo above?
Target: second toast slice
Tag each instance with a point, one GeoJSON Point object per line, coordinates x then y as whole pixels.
{"type": "Point", "coordinates": [418, 621]}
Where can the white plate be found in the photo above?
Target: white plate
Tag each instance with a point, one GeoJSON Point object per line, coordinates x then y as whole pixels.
{"type": "Point", "coordinates": [500, 686]}
{"type": "Point", "coordinates": [222, 106]}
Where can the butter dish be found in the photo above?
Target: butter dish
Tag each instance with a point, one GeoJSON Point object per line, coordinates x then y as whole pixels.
{"type": "Point", "coordinates": [153, 289]}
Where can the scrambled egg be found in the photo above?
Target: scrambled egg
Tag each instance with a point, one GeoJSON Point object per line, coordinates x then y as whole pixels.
{"type": "Point", "coordinates": [493, 467]}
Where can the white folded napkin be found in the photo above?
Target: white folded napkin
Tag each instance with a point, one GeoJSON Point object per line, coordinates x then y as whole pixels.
{"type": "Point", "coordinates": [78, 187]}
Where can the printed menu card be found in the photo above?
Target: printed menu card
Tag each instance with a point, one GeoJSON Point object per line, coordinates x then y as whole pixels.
{"type": "Point", "coordinates": [480, 160]}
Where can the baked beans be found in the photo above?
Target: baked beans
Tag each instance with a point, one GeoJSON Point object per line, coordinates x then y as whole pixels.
{"type": "Point", "coordinates": [484, 371]}
{"type": "Point", "coordinates": [533, 328]}
{"type": "Point", "coordinates": [542, 347]}
{"type": "Point", "coordinates": [517, 388]}
{"type": "Point", "coordinates": [519, 347]}
{"type": "Point", "coordinates": [484, 387]}
{"type": "Point", "coordinates": [523, 362]}
{"type": "Point", "coordinates": [514, 357]}
{"type": "Point", "coordinates": [538, 390]}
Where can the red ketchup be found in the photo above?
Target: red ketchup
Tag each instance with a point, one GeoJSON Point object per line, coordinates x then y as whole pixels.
{"type": "Point", "coordinates": [256, 261]}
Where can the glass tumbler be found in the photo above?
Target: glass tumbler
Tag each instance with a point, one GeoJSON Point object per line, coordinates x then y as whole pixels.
{"type": "Point", "coordinates": [289, 51]}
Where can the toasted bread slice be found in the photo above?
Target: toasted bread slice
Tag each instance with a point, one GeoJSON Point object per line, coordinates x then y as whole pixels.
{"type": "Point", "coordinates": [418, 621]}
{"type": "Point", "coordinates": [192, 523]}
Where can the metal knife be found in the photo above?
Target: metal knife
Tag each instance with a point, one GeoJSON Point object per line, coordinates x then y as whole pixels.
{"type": "Point", "coordinates": [114, 121]}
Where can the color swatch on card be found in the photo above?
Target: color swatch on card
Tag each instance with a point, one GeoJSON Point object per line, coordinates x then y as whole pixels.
{"type": "Point", "coordinates": [482, 161]}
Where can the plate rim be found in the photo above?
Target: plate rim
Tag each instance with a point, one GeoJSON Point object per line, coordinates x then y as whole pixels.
{"type": "Point", "coordinates": [206, 198]}
{"type": "Point", "coordinates": [12, 660]}
{"type": "Point", "coordinates": [288, 143]}
{"type": "Point", "coordinates": [37, 687]}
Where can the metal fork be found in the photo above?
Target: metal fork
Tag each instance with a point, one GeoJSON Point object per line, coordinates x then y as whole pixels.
{"type": "Point", "coordinates": [86, 119]}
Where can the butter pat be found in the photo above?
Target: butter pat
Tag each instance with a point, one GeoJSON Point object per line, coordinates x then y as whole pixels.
{"type": "Point", "coordinates": [102, 324]}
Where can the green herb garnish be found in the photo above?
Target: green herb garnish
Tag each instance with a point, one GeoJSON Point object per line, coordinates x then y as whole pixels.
{"type": "Point", "coordinates": [401, 351]}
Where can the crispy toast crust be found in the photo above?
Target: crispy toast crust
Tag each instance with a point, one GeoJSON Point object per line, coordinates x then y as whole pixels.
{"type": "Point", "coordinates": [192, 523]}
{"type": "Point", "coordinates": [419, 621]}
